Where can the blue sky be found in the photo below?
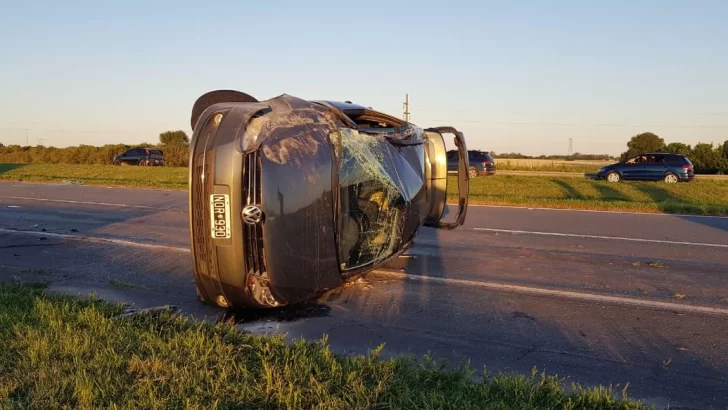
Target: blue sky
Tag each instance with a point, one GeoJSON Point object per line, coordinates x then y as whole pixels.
{"type": "Point", "coordinates": [514, 76]}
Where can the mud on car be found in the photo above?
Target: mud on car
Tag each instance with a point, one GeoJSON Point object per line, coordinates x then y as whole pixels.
{"type": "Point", "coordinates": [291, 197]}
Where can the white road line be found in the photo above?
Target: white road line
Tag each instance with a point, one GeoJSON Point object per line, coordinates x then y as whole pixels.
{"type": "Point", "coordinates": [531, 208]}
{"type": "Point", "coordinates": [96, 239]}
{"type": "Point", "coordinates": [88, 203]}
{"type": "Point", "coordinates": [563, 294]}
{"type": "Point", "coordinates": [587, 297]}
{"type": "Point", "coordinates": [613, 238]}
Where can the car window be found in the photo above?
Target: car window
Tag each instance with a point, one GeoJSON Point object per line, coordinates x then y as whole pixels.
{"type": "Point", "coordinates": [658, 159]}
{"type": "Point", "coordinates": [479, 156]}
{"type": "Point", "coordinates": [375, 184]}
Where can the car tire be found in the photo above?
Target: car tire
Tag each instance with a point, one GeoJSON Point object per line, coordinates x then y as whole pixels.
{"type": "Point", "coordinates": [614, 176]}
{"type": "Point", "coordinates": [473, 173]}
{"type": "Point", "coordinates": [671, 178]}
{"type": "Point", "coordinates": [117, 163]}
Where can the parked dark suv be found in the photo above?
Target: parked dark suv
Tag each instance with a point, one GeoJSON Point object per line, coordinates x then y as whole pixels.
{"type": "Point", "coordinates": [141, 156]}
{"type": "Point", "coordinates": [290, 197]}
{"type": "Point", "coordinates": [481, 163]}
{"type": "Point", "coordinates": [650, 167]}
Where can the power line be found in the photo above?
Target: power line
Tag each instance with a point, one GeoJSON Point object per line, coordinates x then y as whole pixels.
{"type": "Point", "coordinates": [576, 124]}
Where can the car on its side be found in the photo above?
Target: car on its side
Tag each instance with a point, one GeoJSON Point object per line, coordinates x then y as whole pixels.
{"type": "Point", "coordinates": [651, 166]}
{"type": "Point", "coordinates": [290, 197]}
{"type": "Point", "coordinates": [481, 163]}
{"type": "Point", "coordinates": [141, 157]}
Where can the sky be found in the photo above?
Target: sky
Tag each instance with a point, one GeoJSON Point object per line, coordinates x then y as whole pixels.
{"type": "Point", "coordinates": [513, 76]}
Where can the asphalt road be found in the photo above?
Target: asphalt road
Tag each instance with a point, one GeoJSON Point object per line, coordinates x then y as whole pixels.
{"type": "Point", "coordinates": [595, 297]}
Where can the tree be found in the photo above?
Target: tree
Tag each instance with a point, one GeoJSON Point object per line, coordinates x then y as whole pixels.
{"type": "Point", "coordinates": [725, 149]}
{"type": "Point", "coordinates": [178, 137]}
{"type": "Point", "coordinates": [678, 148]}
{"type": "Point", "coordinates": [645, 142]}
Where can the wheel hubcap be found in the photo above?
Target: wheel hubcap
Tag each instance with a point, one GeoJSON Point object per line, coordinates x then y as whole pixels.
{"type": "Point", "coordinates": [613, 177]}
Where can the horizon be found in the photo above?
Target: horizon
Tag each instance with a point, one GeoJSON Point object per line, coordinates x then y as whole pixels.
{"type": "Point", "coordinates": [512, 78]}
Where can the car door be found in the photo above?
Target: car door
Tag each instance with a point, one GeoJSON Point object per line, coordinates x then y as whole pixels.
{"type": "Point", "coordinates": [656, 167]}
{"type": "Point", "coordinates": [632, 169]}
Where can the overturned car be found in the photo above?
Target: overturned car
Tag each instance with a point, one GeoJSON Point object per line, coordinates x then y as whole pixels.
{"type": "Point", "coordinates": [289, 198]}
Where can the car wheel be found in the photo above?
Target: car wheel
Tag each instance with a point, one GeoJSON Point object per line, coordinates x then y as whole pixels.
{"type": "Point", "coordinates": [472, 173]}
{"type": "Point", "coordinates": [613, 177]}
{"type": "Point", "coordinates": [117, 163]}
{"type": "Point", "coordinates": [670, 178]}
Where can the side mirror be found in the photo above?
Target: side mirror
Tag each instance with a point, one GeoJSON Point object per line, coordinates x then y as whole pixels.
{"type": "Point", "coordinates": [437, 179]}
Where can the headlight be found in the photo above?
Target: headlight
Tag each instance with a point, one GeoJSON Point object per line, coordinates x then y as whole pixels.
{"type": "Point", "coordinates": [602, 169]}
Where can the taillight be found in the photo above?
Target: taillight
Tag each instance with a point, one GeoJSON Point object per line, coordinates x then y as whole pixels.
{"type": "Point", "coordinates": [687, 168]}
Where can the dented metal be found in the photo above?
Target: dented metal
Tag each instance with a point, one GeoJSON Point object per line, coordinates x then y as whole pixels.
{"type": "Point", "coordinates": [319, 191]}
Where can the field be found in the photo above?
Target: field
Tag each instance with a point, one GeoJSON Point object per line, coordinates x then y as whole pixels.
{"type": "Point", "coordinates": [549, 165]}
{"type": "Point", "coordinates": [703, 197]}
{"type": "Point", "coordinates": [62, 352]}
{"type": "Point", "coordinates": [706, 197]}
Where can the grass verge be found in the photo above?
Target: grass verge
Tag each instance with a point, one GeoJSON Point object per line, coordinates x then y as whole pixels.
{"type": "Point", "coordinates": [72, 353]}
{"type": "Point", "coordinates": [105, 175]}
{"type": "Point", "coordinates": [702, 197]}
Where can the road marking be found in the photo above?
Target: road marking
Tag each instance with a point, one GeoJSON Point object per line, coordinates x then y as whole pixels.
{"type": "Point", "coordinates": [564, 294]}
{"type": "Point", "coordinates": [531, 208]}
{"type": "Point", "coordinates": [90, 203]}
{"type": "Point", "coordinates": [96, 239]}
{"type": "Point", "coordinates": [614, 238]}
{"type": "Point", "coordinates": [588, 297]}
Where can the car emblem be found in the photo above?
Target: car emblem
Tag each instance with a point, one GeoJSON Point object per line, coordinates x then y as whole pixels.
{"type": "Point", "coordinates": [252, 214]}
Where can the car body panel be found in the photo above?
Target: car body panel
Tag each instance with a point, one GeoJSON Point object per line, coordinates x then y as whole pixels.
{"type": "Point", "coordinates": [140, 156]}
{"type": "Point", "coordinates": [318, 191]}
{"type": "Point", "coordinates": [483, 163]}
{"type": "Point", "coordinates": [651, 167]}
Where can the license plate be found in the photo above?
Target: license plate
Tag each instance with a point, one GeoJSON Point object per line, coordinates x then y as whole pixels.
{"type": "Point", "coordinates": [220, 216]}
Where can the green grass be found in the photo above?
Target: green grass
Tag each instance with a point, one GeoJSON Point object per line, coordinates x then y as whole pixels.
{"type": "Point", "coordinates": [705, 197]}
{"type": "Point", "coordinates": [106, 175]}
{"type": "Point", "coordinates": [63, 352]}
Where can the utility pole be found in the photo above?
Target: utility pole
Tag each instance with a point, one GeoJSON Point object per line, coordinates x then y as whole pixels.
{"type": "Point", "coordinates": [406, 108]}
{"type": "Point", "coordinates": [27, 144]}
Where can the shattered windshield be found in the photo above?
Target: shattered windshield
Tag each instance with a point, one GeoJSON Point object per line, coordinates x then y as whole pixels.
{"type": "Point", "coordinates": [376, 186]}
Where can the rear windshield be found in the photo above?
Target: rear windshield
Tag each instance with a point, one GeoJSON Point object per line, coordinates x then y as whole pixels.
{"type": "Point", "coordinates": [480, 156]}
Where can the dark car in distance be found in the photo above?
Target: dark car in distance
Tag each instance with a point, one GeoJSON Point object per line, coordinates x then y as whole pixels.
{"type": "Point", "coordinates": [481, 163]}
{"type": "Point", "coordinates": [653, 166]}
{"type": "Point", "coordinates": [140, 156]}
{"type": "Point", "coordinates": [291, 197]}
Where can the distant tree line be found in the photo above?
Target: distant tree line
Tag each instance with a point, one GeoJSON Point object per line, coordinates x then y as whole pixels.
{"type": "Point", "coordinates": [707, 158]}
{"type": "Point", "coordinates": [174, 144]}
{"type": "Point", "coordinates": [573, 157]}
